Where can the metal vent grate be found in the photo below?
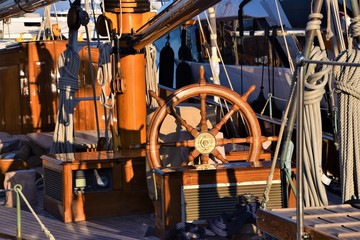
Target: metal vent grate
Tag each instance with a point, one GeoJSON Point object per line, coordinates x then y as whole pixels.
{"type": "Point", "coordinates": [53, 184]}
{"type": "Point", "coordinates": [201, 202]}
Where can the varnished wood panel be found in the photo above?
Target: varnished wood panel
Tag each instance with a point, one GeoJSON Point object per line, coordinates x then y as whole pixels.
{"type": "Point", "coordinates": [170, 180]}
{"type": "Point", "coordinates": [128, 193]}
{"type": "Point", "coordinates": [10, 113]}
{"type": "Point", "coordinates": [29, 96]}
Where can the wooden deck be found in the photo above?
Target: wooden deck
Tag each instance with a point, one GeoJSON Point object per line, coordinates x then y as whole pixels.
{"type": "Point", "coordinates": [330, 222]}
{"type": "Point", "coordinates": [335, 221]}
{"type": "Point", "coordinates": [124, 227]}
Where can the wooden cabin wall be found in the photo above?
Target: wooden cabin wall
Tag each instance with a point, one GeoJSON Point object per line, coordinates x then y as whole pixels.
{"type": "Point", "coordinates": [28, 88]}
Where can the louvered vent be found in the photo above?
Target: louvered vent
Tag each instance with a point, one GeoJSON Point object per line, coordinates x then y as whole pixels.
{"type": "Point", "coordinates": [201, 202]}
{"type": "Point", "coordinates": [53, 184]}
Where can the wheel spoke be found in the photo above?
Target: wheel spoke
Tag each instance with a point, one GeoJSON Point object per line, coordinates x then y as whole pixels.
{"type": "Point", "coordinates": [193, 155]}
{"type": "Point", "coordinates": [219, 156]}
{"type": "Point", "coordinates": [222, 121]}
{"type": "Point", "coordinates": [183, 123]}
{"type": "Point", "coordinates": [205, 158]}
{"type": "Point", "coordinates": [224, 141]}
{"type": "Point", "coordinates": [184, 143]}
{"type": "Point", "coordinates": [203, 124]}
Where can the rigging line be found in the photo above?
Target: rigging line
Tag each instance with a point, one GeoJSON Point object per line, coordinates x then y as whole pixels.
{"type": "Point", "coordinates": [102, 7]}
{"type": "Point", "coordinates": [273, 67]}
{"type": "Point", "coordinates": [292, 69]}
{"type": "Point", "coordinates": [220, 56]}
{"type": "Point", "coordinates": [345, 20]}
{"type": "Point", "coordinates": [203, 35]}
{"type": "Point", "coordinates": [92, 81]}
{"type": "Point", "coordinates": [94, 19]}
{"type": "Point", "coordinates": [120, 17]}
{"type": "Point", "coordinates": [208, 53]}
{"type": "Point", "coordinates": [103, 76]}
{"type": "Point", "coordinates": [337, 22]}
{"type": "Point", "coordinates": [224, 67]}
{"type": "Point", "coordinates": [151, 83]}
{"type": "Point", "coordinates": [57, 19]}
{"type": "Point", "coordinates": [268, 49]}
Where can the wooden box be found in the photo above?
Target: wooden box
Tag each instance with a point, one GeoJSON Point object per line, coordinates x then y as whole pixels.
{"type": "Point", "coordinates": [72, 192]}
{"type": "Point", "coordinates": [187, 194]}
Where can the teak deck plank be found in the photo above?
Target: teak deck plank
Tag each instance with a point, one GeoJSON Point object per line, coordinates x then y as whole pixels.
{"type": "Point", "coordinates": [125, 227]}
{"type": "Point", "coordinates": [330, 222]}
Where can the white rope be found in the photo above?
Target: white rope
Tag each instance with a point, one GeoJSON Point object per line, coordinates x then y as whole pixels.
{"type": "Point", "coordinates": [102, 7]}
{"type": "Point", "coordinates": [316, 77]}
{"type": "Point", "coordinates": [151, 75]}
{"type": "Point", "coordinates": [18, 189]}
{"type": "Point", "coordinates": [219, 53]}
{"type": "Point", "coordinates": [104, 75]}
{"type": "Point", "coordinates": [348, 87]}
{"type": "Point", "coordinates": [292, 69]}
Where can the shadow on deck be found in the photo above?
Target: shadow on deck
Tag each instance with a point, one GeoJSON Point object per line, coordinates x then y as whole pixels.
{"type": "Point", "coordinates": [124, 227]}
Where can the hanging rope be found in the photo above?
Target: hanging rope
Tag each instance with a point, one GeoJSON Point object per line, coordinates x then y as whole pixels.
{"type": "Point", "coordinates": [151, 76]}
{"type": "Point", "coordinates": [69, 64]}
{"type": "Point", "coordinates": [104, 75]}
{"type": "Point", "coordinates": [348, 86]}
{"type": "Point", "coordinates": [316, 78]}
{"type": "Point", "coordinates": [284, 37]}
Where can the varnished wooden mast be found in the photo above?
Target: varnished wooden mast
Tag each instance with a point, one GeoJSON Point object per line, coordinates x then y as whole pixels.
{"type": "Point", "coordinates": [131, 104]}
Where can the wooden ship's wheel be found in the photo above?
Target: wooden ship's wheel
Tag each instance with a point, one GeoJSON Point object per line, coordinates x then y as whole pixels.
{"type": "Point", "coordinates": [204, 142]}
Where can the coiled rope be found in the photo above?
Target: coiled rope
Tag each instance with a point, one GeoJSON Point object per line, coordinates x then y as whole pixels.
{"type": "Point", "coordinates": [104, 76]}
{"type": "Point", "coordinates": [347, 85]}
{"type": "Point", "coordinates": [69, 64]}
{"type": "Point", "coordinates": [316, 77]}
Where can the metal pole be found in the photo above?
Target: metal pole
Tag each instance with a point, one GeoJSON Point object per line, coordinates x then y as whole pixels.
{"type": "Point", "coordinates": [299, 154]}
{"type": "Point", "coordinates": [18, 188]}
{"type": "Point", "coordinates": [295, 103]}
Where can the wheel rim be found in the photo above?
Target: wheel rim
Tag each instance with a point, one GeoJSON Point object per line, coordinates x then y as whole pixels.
{"type": "Point", "coordinates": [204, 142]}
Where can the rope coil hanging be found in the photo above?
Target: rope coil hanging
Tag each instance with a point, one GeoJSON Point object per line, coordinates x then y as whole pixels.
{"type": "Point", "coordinates": [316, 78]}
{"type": "Point", "coordinates": [104, 75]}
{"type": "Point", "coordinates": [69, 65]}
{"type": "Point", "coordinates": [348, 87]}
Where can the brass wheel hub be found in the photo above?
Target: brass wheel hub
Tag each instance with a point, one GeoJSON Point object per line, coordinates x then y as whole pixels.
{"type": "Point", "coordinates": [205, 142]}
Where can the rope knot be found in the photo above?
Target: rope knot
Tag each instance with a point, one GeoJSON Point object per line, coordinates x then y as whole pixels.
{"type": "Point", "coordinates": [314, 21]}
{"type": "Point", "coordinates": [317, 76]}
